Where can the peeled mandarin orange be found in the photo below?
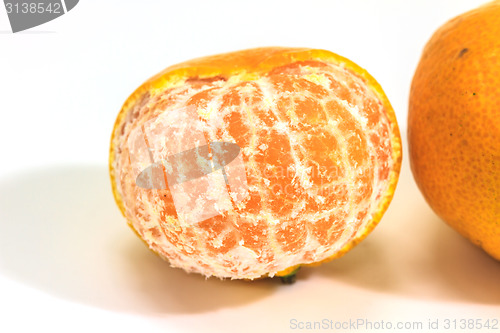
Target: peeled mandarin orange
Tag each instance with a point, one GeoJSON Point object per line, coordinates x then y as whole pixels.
{"type": "Point", "coordinates": [318, 159]}
{"type": "Point", "coordinates": [454, 125]}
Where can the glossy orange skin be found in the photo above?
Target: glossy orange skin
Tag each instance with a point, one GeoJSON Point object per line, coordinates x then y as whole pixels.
{"type": "Point", "coordinates": [454, 125]}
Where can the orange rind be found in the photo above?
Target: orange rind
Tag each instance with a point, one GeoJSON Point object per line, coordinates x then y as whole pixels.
{"type": "Point", "coordinates": [454, 125]}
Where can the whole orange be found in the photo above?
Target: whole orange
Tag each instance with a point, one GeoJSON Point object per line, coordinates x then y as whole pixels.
{"type": "Point", "coordinates": [315, 157]}
{"type": "Point", "coordinates": [454, 125]}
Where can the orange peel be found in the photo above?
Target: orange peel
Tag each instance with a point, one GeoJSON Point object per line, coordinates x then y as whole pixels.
{"type": "Point", "coordinates": [454, 125]}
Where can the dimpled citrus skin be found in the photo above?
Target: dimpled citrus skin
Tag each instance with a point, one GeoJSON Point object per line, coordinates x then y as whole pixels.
{"type": "Point", "coordinates": [320, 146]}
{"type": "Point", "coordinates": [454, 125]}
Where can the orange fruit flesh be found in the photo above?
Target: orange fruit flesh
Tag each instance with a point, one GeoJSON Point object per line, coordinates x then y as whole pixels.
{"type": "Point", "coordinates": [321, 152]}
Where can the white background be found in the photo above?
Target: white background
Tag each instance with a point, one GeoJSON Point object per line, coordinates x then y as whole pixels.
{"type": "Point", "coordinates": [69, 263]}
